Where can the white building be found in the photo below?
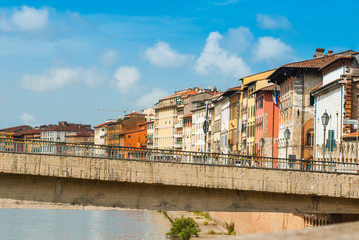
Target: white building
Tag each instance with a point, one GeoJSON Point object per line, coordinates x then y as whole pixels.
{"type": "Point", "coordinates": [333, 96]}
{"type": "Point", "coordinates": [225, 102]}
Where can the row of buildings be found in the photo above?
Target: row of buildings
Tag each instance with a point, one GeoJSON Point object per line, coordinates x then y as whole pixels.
{"type": "Point", "coordinates": [276, 113]}
{"type": "Point", "coordinates": [251, 119]}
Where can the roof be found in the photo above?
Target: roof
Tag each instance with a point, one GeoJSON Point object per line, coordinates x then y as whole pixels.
{"type": "Point", "coordinates": [188, 115]}
{"type": "Point", "coordinates": [256, 77]}
{"type": "Point", "coordinates": [135, 113]}
{"type": "Point", "coordinates": [316, 63]}
{"type": "Point", "coordinates": [268, 88]}
{"type": "Point", "coordinates": [230, 91]}
{"type": "Point", "coordinates": [27, 132]}
{"type": "Point", "coordinates": [14, 129]}
{"type": "Point", "coordinates": [182, 93]}
{"type": "Point", "coordinates": [68, 128]}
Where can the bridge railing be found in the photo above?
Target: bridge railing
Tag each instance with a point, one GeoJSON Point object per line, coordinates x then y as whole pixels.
{"type": "Point", "coordinates": [130, 153]}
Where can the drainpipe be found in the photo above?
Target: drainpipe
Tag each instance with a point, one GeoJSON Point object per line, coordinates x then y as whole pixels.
{"type": "Point", "coordinates": [315, 127]}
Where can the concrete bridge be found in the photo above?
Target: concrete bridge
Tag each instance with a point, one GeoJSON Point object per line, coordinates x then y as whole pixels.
{"type": "Point", "coordinates": [168, 180]}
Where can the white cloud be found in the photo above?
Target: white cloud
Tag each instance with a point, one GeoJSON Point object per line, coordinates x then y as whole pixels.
{"type": "Point", "coordinates": [25, 19]}
{"type": "Point", "coordinates": [273, 22]}
{"type": "Point", "coordinates": [108, 57]}
{"type": "Point", "coordinates": [225, 2]}
{"type": "Point", "coordinates": [162, 55]}
{"type": "Point", "coordinates": [151, 98]}
{"type": "Point", "coordinates": [214, 58]}
{"type": "Point", "coordinates": [126, 78]}
{"type": "Point", "coordinates": [29, 119]}
{"type": "Point", "coordinates": [272, 51]}
{"type": "Point", "coordinates": [238, 39]}
{"type": "Point", "coordinates": [56, 78]}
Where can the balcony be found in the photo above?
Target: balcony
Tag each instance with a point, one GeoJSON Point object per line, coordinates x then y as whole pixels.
{"type": "Point", "coordinates": [178, 144]}
{"type": "Point", "coordinates": [178, 125]}
{"type": "Point", "coordinates": [178, 135]}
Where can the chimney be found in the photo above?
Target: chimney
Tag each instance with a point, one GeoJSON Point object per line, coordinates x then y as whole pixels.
{"type": "Point", "coordinates": [319, 52]}
{"type": "Point", "coordinates": [330, 52]}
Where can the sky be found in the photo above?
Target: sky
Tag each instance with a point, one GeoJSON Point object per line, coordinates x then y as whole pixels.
{"type": "Point", "coordinates": [63, 60]}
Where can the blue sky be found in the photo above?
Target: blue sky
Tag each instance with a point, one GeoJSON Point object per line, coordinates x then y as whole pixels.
{"type": "Point", "coordinates": [62, 60]}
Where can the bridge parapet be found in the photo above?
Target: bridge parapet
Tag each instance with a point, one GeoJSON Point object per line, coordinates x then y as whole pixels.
{"type": "Point", "coordinates": [242, 180]}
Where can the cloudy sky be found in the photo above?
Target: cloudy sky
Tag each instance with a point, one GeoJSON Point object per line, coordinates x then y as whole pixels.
{"type": "Point", "coordinates": [63, 60]}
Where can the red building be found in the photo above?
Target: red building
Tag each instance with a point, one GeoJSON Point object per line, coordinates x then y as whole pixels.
{"type": "Point", "coordinates": [267, 122]}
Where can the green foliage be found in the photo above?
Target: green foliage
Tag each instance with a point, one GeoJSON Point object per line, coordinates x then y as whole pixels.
{"type": "Point", "coordinates": [211, 232]}
{"type": "Point", "coordinates": [205, 223]}
{"type": "Point", "coordinates": [184, 228]}
{"type": "Point", "coordinates": [230, 228]}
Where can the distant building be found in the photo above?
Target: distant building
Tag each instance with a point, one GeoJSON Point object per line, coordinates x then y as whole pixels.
{"type": "Point", "coordinates": [101, 132]}
{"type": "Point", "coordinates": [58, 133]}
{"type": "Point", "coordinates": [31, 134]}
{"type": "Point", "coordinates": [249, 85]}
{"type": "Point", "coordinates": [9, 132]}
{"type": "Point", "coordinates": [115, 130]}
{"type": "Point", "coordinates": [150, 132]}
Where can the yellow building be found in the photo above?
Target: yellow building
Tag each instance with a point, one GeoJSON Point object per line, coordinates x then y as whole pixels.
{"type": "Point", "coordinates": [249, 85]}
{"type": "Point", "coordinates": [169, 120]}
{"type": "Point", "coordinates": [234, 119]}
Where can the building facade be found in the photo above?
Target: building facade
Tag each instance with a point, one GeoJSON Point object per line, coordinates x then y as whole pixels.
{"type": "Point", "coordinates": [296, 112]}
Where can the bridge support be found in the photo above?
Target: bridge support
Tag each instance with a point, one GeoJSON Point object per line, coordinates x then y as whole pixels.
{"type": "Point", "coordinates": [163, 197]}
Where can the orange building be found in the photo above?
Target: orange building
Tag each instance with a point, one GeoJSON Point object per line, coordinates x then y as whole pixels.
{"type": "Point", "coordinates": [267, 122]}
{"type": "Point", "coordinates": [130, 131]}
{"type": "Point", "coordinates": [135, 138]}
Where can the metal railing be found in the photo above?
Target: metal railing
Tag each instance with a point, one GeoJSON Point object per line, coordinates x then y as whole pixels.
{"type": "Point", "coordinates": [130, 153]}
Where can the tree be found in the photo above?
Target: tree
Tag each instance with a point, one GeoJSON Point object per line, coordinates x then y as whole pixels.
{"type": "Point", "coordinates": [183, 228]}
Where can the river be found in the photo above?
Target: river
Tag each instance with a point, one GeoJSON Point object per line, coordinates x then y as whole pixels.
{"type": "Point", "coordinates": [26, 224]}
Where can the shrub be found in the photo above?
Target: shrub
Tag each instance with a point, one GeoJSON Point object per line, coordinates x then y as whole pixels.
{"type": "Point", "coordinates": [211, 232]}
{"type": "Point", "coordinates": [205, 223]}
{"type": "Point", "coordinates": [230, 228]}
{"type": "Point", "coordinates": [184, 228]}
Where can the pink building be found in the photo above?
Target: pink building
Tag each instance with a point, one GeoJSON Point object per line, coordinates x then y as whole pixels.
{"type": "Point", "coordinates": [267, 122]}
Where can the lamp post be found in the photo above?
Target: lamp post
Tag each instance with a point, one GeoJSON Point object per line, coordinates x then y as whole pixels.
{"type": "Point", "coordinates": [261, 144]}
{"type": "Point", "coordinates": [243, 146]}
{"type": "Point", "coordinates": [286, 136]}
{"type": "Point", "coordinates": [325, 121]}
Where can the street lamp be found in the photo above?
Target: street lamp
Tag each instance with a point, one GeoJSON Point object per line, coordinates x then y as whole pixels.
{"type": "Point", "coordinates": [286, 136]}
{"type": "Point", "coordinates": [325, 121]}
{"type": "Point", "coordinates": [261, 144]}
{"type": "Point", "coordinates": [243, 151]}
{"type": "Point", "coordinates": [243, 145]}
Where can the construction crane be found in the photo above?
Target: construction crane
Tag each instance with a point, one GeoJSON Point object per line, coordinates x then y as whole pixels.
{"type": "Point", "coordinates": [113, 110]}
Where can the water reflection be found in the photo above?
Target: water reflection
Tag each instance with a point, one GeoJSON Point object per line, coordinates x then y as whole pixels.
{"type": "Point", "coordinates": [76, 224]}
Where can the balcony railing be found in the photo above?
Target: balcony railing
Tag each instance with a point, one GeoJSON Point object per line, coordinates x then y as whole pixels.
{"type": "Point", "coordinates": [117, 153]}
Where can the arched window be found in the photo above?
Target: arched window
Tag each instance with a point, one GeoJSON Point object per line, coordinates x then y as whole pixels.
{"type": "Point", "coordinates": [310, 137]}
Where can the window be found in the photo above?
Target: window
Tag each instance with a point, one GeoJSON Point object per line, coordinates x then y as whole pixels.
{"type": "Point", "coordinates": [129, 136]}
{"type": "Point", "coordinates": [260, 102]}
{"type": "Point", "coordinates": [311, 100]}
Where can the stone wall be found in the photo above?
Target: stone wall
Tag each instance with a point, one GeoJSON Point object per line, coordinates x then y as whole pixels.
{"type": "Point", "coordinates": [182, 186]}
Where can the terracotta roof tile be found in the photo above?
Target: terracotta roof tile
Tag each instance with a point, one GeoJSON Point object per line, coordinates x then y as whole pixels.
{"type": "Point", "coordinates": [12, 129]}
{"type": "Point", "coordinates": [27, 132]}
{"type": "Point", "coordinates": [315, 63]}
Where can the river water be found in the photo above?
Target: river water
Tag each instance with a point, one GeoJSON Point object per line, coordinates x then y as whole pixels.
{"type": "Point", "coordinates": [76, 224]}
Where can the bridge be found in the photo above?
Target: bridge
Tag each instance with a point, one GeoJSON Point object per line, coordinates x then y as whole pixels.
{"type": "Point", "coordinates": [173, 180]}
